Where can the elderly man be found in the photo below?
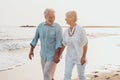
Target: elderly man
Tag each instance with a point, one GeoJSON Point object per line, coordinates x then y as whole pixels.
{"type": "Point", "coordinates": [50, 35]}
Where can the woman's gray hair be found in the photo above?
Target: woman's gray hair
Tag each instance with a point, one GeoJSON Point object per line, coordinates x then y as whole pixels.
{"type": "Point", "coordinates": [72, 14]}
{"type": "Point", "coordinates": [48, 10]}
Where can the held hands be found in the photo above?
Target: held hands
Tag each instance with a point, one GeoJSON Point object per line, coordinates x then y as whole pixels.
{"type": "Point", "coordinates": [56, 58]}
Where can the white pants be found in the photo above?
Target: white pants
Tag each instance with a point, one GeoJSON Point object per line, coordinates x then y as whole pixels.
{"type": "Point", "coordinates": [48, 68]}
{"type": "Point", "coordinates": [69, 64]}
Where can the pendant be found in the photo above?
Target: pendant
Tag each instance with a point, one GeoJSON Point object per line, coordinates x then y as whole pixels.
{"type": "Point", "coordinates": [71, 33]}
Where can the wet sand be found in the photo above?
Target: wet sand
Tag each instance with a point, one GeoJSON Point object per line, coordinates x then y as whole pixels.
{"type": "Point", "coordinates": [31, 70]}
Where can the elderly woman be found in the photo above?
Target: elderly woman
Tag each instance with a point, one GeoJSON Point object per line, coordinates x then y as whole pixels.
{"type": "Point", "coordinates": [76, 41]}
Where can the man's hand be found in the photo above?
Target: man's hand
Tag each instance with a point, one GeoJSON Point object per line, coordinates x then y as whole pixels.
{"type": "Point", "coordinates": [56, 58]}
{"type": "Point", "coordinates": [31, 54]}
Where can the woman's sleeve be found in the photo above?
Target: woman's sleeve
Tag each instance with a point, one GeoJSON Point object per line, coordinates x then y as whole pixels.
{"type": "Point", "coordinates": [64, 42]}
{"type": "Point", "coordinates": [84, 39]}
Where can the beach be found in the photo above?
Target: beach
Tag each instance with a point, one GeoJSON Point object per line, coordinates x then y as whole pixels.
{"type": "Point", "coordinates": [102, 56]}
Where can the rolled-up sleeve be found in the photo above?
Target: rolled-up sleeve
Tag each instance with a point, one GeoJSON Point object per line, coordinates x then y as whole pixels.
{"type": "Point", "coordinates": [84, 39]}
{"type": "Point", "coordinates": [59, 37]}
{"type": "Point", "coordinates": [36, 37]}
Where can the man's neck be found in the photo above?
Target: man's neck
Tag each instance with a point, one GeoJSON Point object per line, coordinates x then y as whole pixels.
{"type": "Point", "coordinates": [49, 24]}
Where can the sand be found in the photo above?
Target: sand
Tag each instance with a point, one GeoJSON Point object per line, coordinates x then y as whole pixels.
{"type": "Point", "coordinates": [31, 70]}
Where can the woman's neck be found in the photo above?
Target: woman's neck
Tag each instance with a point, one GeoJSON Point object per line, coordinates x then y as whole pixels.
{"type": "Point", "coordinates": [72, 26]}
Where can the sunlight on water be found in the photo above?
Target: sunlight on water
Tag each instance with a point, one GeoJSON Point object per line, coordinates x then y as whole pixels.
{"type": "Point", "coordinates": [104, 45]}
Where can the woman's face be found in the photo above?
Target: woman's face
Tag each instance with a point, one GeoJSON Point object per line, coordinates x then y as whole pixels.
{"type": "Point", "coordinates": [68, 20]}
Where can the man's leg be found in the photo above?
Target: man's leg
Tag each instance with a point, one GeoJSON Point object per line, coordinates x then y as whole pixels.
{"type": "Point", "coordinates": [53, 68]}
{"type": "Point", "coordinates": [48, 69]}
{"type": "Point", "coordinates": [43, 65]}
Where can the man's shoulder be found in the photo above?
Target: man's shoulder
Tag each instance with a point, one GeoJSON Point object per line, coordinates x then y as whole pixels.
{"type": "Point", "coordinates": [56, 25]}
{"type": "Point", "coordinates": [41, 24]}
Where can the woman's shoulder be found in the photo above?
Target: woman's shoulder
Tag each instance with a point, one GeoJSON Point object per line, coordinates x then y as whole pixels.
{"type": "Point", "coordinates": [80, 28]}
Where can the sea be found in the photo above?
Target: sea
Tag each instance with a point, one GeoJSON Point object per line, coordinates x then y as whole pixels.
{"type": "Point", "coordinates": [104, 45]}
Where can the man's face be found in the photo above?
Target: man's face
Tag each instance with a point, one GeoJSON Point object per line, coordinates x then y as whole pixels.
{"type": "Point", "coordinates": [50, 18]}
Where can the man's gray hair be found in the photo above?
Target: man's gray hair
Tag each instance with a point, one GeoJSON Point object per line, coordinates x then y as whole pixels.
{"type": "Point", "coordinates": [48, 10]}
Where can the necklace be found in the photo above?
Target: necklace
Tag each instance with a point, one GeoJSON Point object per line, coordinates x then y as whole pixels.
{"type": "Point", "coordinates": [71, 33]}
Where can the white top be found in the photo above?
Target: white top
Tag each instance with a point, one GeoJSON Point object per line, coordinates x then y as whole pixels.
{"type": "Point", "coordinates": [75, 43]}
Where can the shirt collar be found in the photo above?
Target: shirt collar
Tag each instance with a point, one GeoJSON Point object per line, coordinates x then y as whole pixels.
{"type": "Point", "coordinates": [51, 25]}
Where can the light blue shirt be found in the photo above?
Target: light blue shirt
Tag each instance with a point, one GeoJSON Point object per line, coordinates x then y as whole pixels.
{"type": "Point", "coordinates": [50, 39]}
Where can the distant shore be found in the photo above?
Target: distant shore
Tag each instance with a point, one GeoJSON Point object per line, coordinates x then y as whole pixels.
{"type": "Point", "coordinates": [27, 26]}
{"type": "Point", "coordinates": [83, 26]}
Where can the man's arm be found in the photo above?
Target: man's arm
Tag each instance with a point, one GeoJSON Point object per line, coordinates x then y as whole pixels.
{"type": "Point", "coordinates": [58, 53]}
{"type": "Point", "coordinates": [61, 50]}
{"type": "Point", "coordinates": [33, 43]}
{"type": "Point", "coordinates": [58, 43]}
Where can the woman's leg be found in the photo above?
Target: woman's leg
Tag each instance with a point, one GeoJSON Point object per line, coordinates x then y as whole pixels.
{"type": "Point", "coordinates": [81, 71]}
{"type": "Point", "coordinates": [68, 69]}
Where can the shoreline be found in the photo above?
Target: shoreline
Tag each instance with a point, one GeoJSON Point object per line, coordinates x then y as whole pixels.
{"type": "Point", "coordinates": [31, 69]}
{"type": "Point", "coordinates": [103, 46]}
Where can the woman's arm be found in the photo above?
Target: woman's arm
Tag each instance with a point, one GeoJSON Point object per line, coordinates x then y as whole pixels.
{"type": "Point", "coordinates": [83, 58]}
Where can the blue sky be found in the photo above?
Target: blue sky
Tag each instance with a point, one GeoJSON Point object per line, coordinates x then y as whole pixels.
{"type": "Point", "coordinates": [90, 12]}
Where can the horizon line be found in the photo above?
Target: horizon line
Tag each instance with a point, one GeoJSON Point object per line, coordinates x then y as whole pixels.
{"type": "Point", "coordinates": [67, 26]}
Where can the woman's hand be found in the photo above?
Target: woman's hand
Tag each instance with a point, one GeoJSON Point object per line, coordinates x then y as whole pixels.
{"type": "Point", "coordinates": [83, 60]}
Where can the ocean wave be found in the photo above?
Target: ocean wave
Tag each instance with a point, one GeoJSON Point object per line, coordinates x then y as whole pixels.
{"type": "Point", "coordinates": [11, 44]}
{"type": "Point", "coordinates": [10, 61]}
{"type": "Point", "coordinates": [12, 53]}
{"type": "Point", "coordinates": [99, 35]}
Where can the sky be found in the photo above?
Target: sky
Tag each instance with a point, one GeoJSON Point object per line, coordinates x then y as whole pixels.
{"type": "Point", "coordinates": [90, 12]}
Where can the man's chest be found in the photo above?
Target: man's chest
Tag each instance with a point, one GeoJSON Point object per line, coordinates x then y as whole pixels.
{"type": "Point", "coordinates": [47, 32]}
